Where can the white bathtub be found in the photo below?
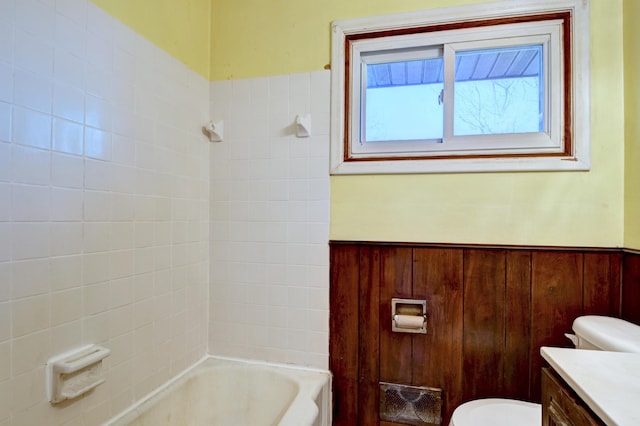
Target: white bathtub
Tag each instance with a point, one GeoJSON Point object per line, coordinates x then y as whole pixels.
{"type": "Point", "coordinates": [219, 391]}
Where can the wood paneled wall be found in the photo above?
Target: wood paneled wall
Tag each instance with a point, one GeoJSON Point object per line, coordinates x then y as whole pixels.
{"type": "Point", "coordinates": [489, 309]}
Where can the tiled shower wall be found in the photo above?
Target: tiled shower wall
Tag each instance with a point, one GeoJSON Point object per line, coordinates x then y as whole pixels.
{"type": "Point", "coordinates": [270, 220]}
{"type": "Point", "coordinates": [104, 208]}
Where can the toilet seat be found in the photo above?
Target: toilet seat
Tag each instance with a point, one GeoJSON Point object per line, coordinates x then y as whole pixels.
{"type": "Point", "coordinates": [497, 412]}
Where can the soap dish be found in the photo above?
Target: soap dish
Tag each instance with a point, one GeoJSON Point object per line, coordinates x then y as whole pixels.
{"type": "Point", "coordinates": [75, 373]}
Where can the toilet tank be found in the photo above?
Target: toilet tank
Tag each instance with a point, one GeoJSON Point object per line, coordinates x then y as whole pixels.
{"type": "Point", "coordinates": [606, 334]}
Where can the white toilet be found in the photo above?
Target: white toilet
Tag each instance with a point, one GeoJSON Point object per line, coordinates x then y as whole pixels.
{"type": "Point", "coordinates": [591, 332]}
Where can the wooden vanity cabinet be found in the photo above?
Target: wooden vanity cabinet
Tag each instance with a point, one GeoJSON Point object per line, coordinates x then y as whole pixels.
{"type": "Point", "coordinates": [561, 406]}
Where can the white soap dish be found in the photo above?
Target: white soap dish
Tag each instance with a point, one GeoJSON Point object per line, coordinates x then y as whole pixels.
{"type": "Point", "coordinates": [74, 373]}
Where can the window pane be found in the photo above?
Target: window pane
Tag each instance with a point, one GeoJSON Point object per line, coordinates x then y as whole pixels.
{"type": "Point", "coordinates": [499, 91]}
{"type": "Point", "coordinates": [401, 101]}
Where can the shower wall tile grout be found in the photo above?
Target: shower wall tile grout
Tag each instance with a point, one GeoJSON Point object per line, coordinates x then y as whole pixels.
{"type": "Point", "coordinates": [104, 208]}
{"type": "Point", "coordinates": [122, 225]}
{"type": "Point", "coordinates": [270, 221]}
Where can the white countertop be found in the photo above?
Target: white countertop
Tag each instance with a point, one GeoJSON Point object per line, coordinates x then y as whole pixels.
{"type": "Point", "coordinates": [608, 382]}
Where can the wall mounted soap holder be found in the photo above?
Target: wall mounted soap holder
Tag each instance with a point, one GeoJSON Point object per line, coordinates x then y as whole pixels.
{"type": "Point", "coordinates": [75, 373]}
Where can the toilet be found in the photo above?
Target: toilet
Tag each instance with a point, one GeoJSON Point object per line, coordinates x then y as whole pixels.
{"type": "Point", "coordinates": [591, 332]}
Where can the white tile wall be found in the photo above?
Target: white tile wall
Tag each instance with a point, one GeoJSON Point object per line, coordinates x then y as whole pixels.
{"type": "Point", "coordinates": [108, 212]}
{"type": "Point", "coordinates": [104, 208]}
{"type": "Point", "coordinates": [270, 221]}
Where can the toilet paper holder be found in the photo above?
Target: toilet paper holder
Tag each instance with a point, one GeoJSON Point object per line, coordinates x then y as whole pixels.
{"type": "Point", "coordinates": [409, 316]}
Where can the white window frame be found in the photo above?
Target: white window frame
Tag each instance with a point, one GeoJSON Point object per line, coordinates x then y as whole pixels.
{"type": "Point", "coordinates": [401, 157]}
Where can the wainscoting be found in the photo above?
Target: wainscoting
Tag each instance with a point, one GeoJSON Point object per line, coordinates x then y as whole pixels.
{"type": "Point", "coordinates": [489, 309]}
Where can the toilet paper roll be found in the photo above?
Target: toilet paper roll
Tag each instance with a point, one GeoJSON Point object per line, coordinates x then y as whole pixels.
{"type": "Point", "coordinates": [409, 321]}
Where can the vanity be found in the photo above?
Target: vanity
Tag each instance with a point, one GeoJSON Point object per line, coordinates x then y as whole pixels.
{"type": "Point", "coordinates": [588, 387]}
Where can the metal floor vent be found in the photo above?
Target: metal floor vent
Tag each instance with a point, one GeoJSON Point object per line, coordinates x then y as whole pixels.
{"type": "Point", "coordinates": [410, 405]}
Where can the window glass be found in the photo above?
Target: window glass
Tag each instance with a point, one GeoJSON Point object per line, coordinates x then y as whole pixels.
{"type": "Point", "coordinates": [403, 101]}
{"type": "Point", "coordinates": [499, 91]}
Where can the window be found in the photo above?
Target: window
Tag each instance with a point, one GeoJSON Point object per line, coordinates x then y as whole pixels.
{"type": "Point", "coordinates": [457, 90]}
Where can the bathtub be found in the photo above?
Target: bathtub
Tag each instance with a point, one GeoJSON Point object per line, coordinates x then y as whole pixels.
{"type": "Point", "coordinates": [220, 391]}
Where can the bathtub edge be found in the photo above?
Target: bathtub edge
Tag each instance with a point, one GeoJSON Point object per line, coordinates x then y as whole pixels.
{"type": "Point", "coordinates": [314, 394]}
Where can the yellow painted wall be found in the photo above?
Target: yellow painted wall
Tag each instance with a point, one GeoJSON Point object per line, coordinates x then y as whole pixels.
{"type": "Point", "coordinates": [255, 38]}
{"type": "Point", "coordinates": [632, 123]}
{"type": "Point", "coordinates": [574, 209]}
{"type": "Point", "coordinates": [559, 208]}
{"type": "Point", "coordinates": [181, 28]}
